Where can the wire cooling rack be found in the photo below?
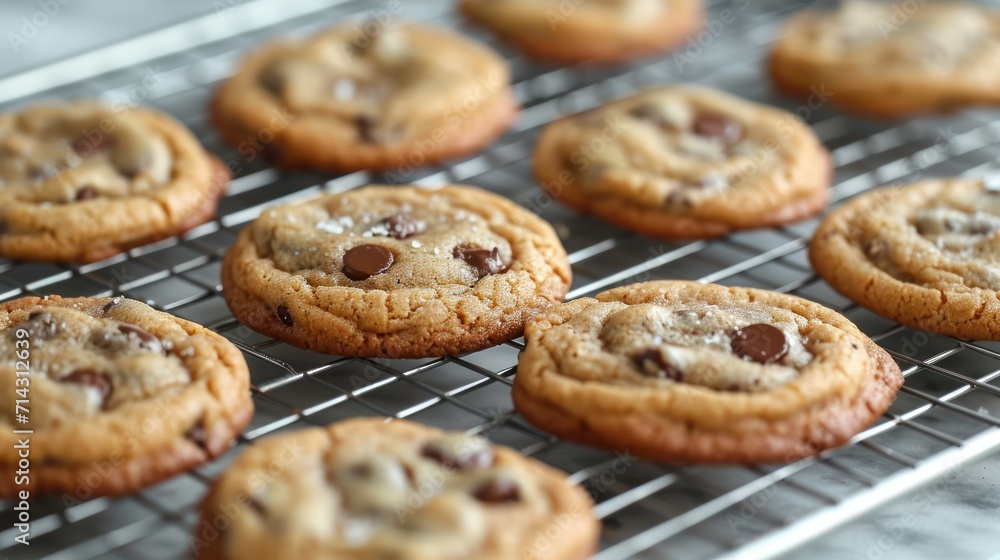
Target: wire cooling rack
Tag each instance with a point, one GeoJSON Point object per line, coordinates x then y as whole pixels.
{"type": "Point", "coordinates": [947, 414]}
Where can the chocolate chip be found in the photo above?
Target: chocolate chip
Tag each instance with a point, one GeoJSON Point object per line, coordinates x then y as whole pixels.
{"type": "Point", "coordinates": [458, 457]}
{"type": "Point", "coordinates": [485, 261]}
{"type": "Point", "coordinates": [45, 326]}
{"type": "Point", "coordinates": [274, 76]}
{"type": "Point", "coordinates": [498, 490]}
{"type": "Point", "coordinates": [91, 378]}
{"type": "Point", "coordinates": [146, 340]}
{"type": "Point", "coordinates": [366, 128]}
{"type": "Point", "coordinates": [285, 315]}
{"type": "Point", "coordinates": [364, 261]}
{"type": "Point", "coordinates": [718, 126]}
{"type": "Point", "coordinates": [761, 343]}
{"type": "Point", "coordinates": [402, 226]}
{"type": "Point", "coordinates": [258, 507]}
{"type": "Point", "coordinates": [86, 193]}
{"type": "Point", "coordinates": [678, 199]}
{"type": "Point", "coordinates": [111, 305]}
{"type": "Point", "coordinates": [197, 435]}
{"type": "Point", "coordinates": [361, 470]}
{"type": "Point", "coordinates": [4, 227]}
{"type": "Point", "coordinates": [651, 362]}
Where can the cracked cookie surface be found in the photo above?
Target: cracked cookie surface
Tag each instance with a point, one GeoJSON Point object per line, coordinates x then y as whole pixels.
{"type": "Point", "coordinates": [368, 488]}
{"type": "Point", "coordinates": [882, 60]}
{"type": "Point", "coordinates": [687, 372]}
{"type": "Point", "coordinates": [82, 182]}
{"type": "Point", "coordinates": [395, 271]}
{"type": "Point", "coordinates": [603, 31]}
{"type": "Point", "coordinates": [121, 396]}
{"type": "Point", "coordinates": [926, 255]}
{"type": "Point", "coordinates": [346, 99]}
{"type": "Point", "coordinates": [685, 162]}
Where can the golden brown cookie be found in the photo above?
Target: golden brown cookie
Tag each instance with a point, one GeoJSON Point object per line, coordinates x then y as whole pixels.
{"type": "Point", "coordinates": [687, 372]}
{"type": "Point", "coordinates": [345, 100]}
{"type": "Point", "coordinates": [367, 488]}
{"type": "Point", "coordinates": [685, 162]}
{"type": "Point", "coordinates": [602, 31]}
{"type": "Point", "coordinates": [892, 60]}
{"type": "Point", "coordinates": [400, 272]}
{"type": "Point", "coordinates": [118, 396]}
{"type": "Point", "coordinates": [926, 255]}
{"type": "Point", "coordinates": [81, 182]}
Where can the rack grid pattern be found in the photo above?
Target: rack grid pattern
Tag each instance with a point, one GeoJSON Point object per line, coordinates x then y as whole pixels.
{"type": "Point", "coordinates": [947, 414]}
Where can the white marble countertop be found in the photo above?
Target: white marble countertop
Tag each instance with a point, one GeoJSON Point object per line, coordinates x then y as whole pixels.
{"type": "Point", "coordinates": [956, 518]}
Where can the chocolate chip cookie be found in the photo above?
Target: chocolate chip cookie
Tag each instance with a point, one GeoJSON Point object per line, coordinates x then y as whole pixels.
{"type": "Point", "coordinates": [346, 100]}
{"type": "Point", "coordinates": [82, 182]}
{"type": "Point", "coordinates": [687, 372]}
{"type": "Point", "coordinates": [592, 31]}
{"type": "Point", "coordinates": [926, 255]}
{"type": "Point", "coordinates": [399, 272]}
{"type": "Point", "coordinates": [890, 60]}
{"type": "Point", "coordinates": [367, 488]}
{"type": "Point", "coordinates": [117, 396]}
{"type": "Point", "coordinates": [685, 162]}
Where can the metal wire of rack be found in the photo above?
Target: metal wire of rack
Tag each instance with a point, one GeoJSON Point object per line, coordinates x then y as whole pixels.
{"type": "Point", "coordinates": [947, 414]}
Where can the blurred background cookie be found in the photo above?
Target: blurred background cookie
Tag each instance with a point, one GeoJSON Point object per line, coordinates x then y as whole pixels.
{"type": "Point", "coordinates": [345, 100]}
{"type": "Point", "coordinates": [926, 255]}
{"type": "Point", "coordinates": [602, 31]}
{"type": "Point", "coordinates": [81, 182]}
{"type": "Point", "coordinates": [367, 488]}
{"type": "Point", "coordinates": [120, 396]}
{"type": "Point", "coordinates": [889, 60]}
{"type": "Point", "coordinates": [685, 162]}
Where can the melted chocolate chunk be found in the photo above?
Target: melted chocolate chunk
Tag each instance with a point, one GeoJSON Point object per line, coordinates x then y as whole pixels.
{"type": "Point", "coordinates": [498, 490]}
{"type": "Point", "coordinates": [764, 344]}
{"type": "Point", "coordinates": [4, 227]}
{"type": "Point", "coordinates": [256, 506]}
{"type": "Point", "coordinates": [89, 377]}
{"type": "Point", "coordinates": [361, 470]}
{"type": "Point", "coordinates": [110, 305]}
{"type": "Point", "coordinates": [86, 193]}
{"type": "Point", "coordinates": [677, 199]}
{"type": "Point", "coordinates": [457, 459]}
{"type": "Point", "coordinates": [197, 435]}
{"type": "Point", "coordinates": [484, 261]}
{"type": "Point", "coordinates": [402, 226]}
{"type": "Point", "coordinates": [365, 261]}
{"type": "Point", "coordinates": [651, 363]}
{"type": "Point", "coordinates": [366, 128]}
{"type": "Point", "coordinates": [273, 77]}
{"type": "Point", "coordinates": [146, 339]}
{"type": "Point", "coordinates": [44, 327]}
{"type": "Point", "coordinates": [718, 126]}
{"type": "Point", "coordinates": [285, 315]}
